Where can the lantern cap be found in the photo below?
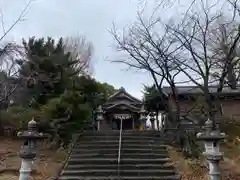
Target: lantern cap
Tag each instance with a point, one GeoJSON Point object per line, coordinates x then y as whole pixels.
{"type": "Point", "coordinates": [142, 110]}
{"type": "Point", "coordinates": [31, 133]}
{"type": "Point", "coordinates": [32, 123]}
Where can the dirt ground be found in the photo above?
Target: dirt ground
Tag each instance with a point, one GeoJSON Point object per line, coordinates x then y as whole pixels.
{"type": "Point", "coordinates": [198, 169]}
{"type": "Point", "coordinates": [47, 164]}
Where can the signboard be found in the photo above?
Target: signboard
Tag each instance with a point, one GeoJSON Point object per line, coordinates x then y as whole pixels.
{"type": "Point", "coordinates": [122, 116]}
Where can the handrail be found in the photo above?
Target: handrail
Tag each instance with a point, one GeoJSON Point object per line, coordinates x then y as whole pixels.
{"type": "Point", "coordinates": [74, 141]}
{"type": "Point", "coordinates": [64, 165]}
{"type": "Point", "coordinates": [120, 143]}
{"type": "Point", "coordinates": [119, 146]}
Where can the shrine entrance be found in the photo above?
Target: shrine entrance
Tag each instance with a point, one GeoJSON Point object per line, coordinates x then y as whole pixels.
{"type": "Point", "coordinates": [128, 121]}
{"type": "Point", "coordinates": [121, 106]}
{"type": "Point", "coordinates": [126, 125]}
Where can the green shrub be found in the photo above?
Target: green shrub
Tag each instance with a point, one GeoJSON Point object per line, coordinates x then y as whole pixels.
{"type": "Point", "coordinates": [69, 106]}
{"type": "Point", "coordinates": [18, 116]}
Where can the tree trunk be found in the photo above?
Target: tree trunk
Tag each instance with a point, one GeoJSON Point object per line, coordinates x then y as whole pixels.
{"type": "Point", "coordinates": [177, 105]}
{"type": "Point", "coordinates": [232, 80]}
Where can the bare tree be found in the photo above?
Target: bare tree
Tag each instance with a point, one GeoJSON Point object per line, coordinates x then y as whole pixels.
{"type": "Point", "coordinates": [80, 50]}
{"type": "Point", "coordinates": [223, 37]}
{"type": "Point", "coordinates": [184, 47]}
{"type": "Point", "coordinates": [11, 60]}
{"type": "Point", "coordinates": [11, 56]}
{"type": "Point", "coordinates": [153, 52]}
{"type": "Point", "coordinates": [198, 59]}
{"type": "Point", "coordinates": [236, 8]}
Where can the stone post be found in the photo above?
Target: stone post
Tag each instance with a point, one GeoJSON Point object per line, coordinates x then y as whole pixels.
{"type": "Point", "coordinates": [143, 118]}
{"type": "Point", "coordinates": [211, 139]}
{"type": "Point", "coordinates": [99, 117]}
{"type": "Point", "coordinates": [152, 120]}
{"type": "Point", "coordinates": [28, 151]}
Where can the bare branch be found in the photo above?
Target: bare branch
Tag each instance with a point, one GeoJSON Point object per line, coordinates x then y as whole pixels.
{"type": "Point", "coordinates": [11, 56]}
{"type": "Point", "coordinates": [20, 18]}
{"type": "Point", "coordinates": [185, 47]}
{"type": "Point", "coordinates": [80, 51]}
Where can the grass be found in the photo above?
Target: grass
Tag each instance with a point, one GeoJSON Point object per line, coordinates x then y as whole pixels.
{"type": "Point", "coordinates": [190, 169]}
{"type": "Point", "coordinates": [187, 168]}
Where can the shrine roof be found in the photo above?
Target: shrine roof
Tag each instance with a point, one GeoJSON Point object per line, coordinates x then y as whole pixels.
{"type": "Point", "coordinates": [123, 106]}
{"type": "Point", "coordinates": [184, 90]}
{"type": "Point", "coordinates": [124, 94]}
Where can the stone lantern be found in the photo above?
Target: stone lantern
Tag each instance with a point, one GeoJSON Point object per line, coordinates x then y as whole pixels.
{"type": "Point", "coordinates": [143, 118]}
{"type": "Point", "coordinates": [99, 116]}
{"type": "Point", "coordinates": [28, 151]}
{"type": "Point", "coordinates": [211, 139]}
{"type": "Point", "coordinates": [152, 120]}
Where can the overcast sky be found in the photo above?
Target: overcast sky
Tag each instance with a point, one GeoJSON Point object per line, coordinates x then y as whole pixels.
{"type": "Point", "coordinates": [92, 18]}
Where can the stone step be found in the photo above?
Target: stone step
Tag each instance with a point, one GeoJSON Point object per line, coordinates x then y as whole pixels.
{"type": "Point", "coordinates": [105, 132]}
{"type": "Point", "coordinates": [96, 161]}
{"type": "Point", "coordinates": [115, 150]}
{"type": "Point", "coordinates": [143, 139]}
{"type": "Point", "coordinates": [140, 134]}
{"type": "Point", "coordinates": [94, 137]}
{"type": "Point", "coordinates": [143, 157]}
{"type": "Point", "coordinates": [126, 143]}
{"type": "Point", "coordinates": [115, 155]}
{"type": "Point", "coordinates": [89, 146]}
{"type": "Point", "coordinates": [144, 160]}
{"type": "Point", "coordinates": [116, 132]}
{"type": "Point", "coordinates": [103, 172]}
{"type": "Point", "coordinates": [97, 143]}
{"type": "Point", "coordinates": [97, 138]}
{"type": "Point", "coordinates": [116, 141]}
{"type": "Point", "coordinates": [115, 166]}
{"type": "Point", "coordinates": [139, 139]}
{"type": "Point", "coordinates": [175, 177]}
{"type": "Point", "coordinates": [124, 161]}
{"type": "Point", "coordinates": [123, 145]}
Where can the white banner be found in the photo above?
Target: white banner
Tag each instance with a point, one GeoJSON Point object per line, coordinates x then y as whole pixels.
{"type": "Point", "coordinates": [122, 116]}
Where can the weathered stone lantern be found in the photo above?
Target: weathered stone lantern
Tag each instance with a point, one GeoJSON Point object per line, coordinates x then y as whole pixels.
{"type": "Point", "coordinates": [211, 139]}
{"type": "Point", "coordinates": [28, 151]}
{"type": "Point", "coordinates": [143, 118]}
{"type": "Point", "coordinates": [152, 120]}
{"type": "Point", "coordinates": [99, 116]}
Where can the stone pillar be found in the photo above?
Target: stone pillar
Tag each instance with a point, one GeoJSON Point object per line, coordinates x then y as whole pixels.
{"type": "Point", "coordinates": [152, 120]}
{"type": "Point", "coordinates": [144, 122]}
{"type": "Point", "coordinates": [165, 121]}
{"type": "Point", "coordinates": [28, 151]}
{"type": "Point", "coordinates": [133, 124]}
{"type": "Point", "coordinates": [99, 117]}
{"type": "Point", "coordinates": [211, 139]}
{"type": "Point", "coordinates": [143, 118]}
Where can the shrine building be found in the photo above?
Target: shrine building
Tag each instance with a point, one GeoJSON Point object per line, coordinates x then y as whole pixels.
{"type": "Point", "coordinates": [121, 105]}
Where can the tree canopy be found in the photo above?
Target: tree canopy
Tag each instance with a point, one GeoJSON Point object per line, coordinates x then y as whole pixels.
{"type": "Point", "coordinates": [54, 88]}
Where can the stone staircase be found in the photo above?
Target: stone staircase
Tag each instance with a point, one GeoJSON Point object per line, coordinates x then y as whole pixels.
{"type": "Point", "coordinates": [143, 157]}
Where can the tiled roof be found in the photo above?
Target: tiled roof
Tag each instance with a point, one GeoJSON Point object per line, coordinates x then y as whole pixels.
{"type": "Point", "coordinates": [195, 89]}
{"type": "Point", "coordinates": [122, 90]}
{"type": "Point", "coordinates": [124, 104]}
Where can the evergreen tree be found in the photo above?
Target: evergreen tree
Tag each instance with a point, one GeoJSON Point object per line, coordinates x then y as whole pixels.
{"type": "Point", "coordinates": [48, 70]}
